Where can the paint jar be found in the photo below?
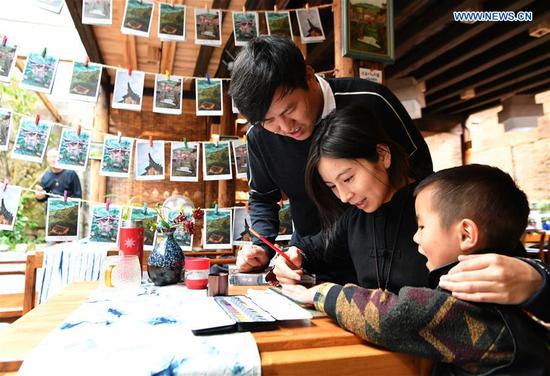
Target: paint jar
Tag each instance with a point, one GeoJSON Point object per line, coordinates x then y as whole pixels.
{"type": "Point", "coordinates": [196, 272]}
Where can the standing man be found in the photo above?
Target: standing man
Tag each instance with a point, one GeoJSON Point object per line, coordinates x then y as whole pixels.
{"type": "Point", "coordinates": [284, 101]}
{"type": "Point", "coordinates": [57, 180]}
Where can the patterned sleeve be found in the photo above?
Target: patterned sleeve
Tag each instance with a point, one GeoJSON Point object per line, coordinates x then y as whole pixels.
{"type": "Point", "coordinates": [422, 322]}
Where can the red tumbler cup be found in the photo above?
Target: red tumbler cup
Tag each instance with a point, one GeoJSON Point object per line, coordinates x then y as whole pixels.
{"type": "Point", "coordinates": [131, 238]}
{"type": "Point", "coordinates": [196, 272]}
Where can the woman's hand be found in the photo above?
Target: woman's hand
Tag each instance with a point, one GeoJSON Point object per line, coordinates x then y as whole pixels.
{"type": "Point", "coordinates": [286, 274]}
{"type": "Point", "coordinates": [492, 278]}
{"type": "Point", "coordinates": [300, 293]}
{"type": "Point", "coordinates": [252, 258]}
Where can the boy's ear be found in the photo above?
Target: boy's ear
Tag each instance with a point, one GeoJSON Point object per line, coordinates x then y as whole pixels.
{"type": "Point", "coordinates": [469, 235]}
{"type": "Point", "coordinates": [384, 154]}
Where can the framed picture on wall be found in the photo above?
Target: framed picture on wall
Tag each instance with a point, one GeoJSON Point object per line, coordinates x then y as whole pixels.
{"type": "Point", "coordinates": [368, 30]}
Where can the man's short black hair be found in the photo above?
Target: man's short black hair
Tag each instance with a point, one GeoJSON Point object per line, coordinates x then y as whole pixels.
{"type": "Point", "coordinates": [486, 195]}
{"type": "Point", "coordinates": [264, 65]}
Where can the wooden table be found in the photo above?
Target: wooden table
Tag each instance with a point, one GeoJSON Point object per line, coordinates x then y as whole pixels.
{"type": "Point", "coordinates": [306, 348]}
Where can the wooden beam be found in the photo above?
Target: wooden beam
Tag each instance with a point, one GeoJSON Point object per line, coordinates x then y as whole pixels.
{"type": "Point", "coordinates": [404, 11]}
{"type": "Point", "coordinates": [87, 36]}
{"type": "Point", "coordinates": [439, 124]}
{"type": "Point", "coordinates": [130, 54]}
{"type": "Point", "coordinates": [168, 54]}
{"type": "Point", "coordinates": [343, 66]}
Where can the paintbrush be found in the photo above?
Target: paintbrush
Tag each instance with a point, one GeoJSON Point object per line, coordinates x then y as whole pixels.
{"type": "Point", "coordinates": [274, 247]}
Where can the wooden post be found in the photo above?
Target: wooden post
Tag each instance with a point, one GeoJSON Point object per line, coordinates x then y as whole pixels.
{"type": "Point", "coordinates": [226, 188]}
{"type": "Point", "coordinates": [344, 66]}
{"type": "Point", "coordinates": [101, 125]}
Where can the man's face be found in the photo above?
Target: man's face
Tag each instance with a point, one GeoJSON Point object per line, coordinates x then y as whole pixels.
{"type": "Point", "coordinates": [293, 115]}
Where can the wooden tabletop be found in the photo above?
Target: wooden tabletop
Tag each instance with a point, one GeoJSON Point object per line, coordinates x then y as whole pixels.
{"type": "Point", "coordinates": [311, 347]}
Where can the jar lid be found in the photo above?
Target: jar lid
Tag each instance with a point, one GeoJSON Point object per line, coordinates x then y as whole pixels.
{"type": "Point", "coordinates": [195, 263]}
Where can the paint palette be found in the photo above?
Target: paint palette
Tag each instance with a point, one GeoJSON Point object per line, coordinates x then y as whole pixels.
{"type": "Point", "coordinates": [247, 314]}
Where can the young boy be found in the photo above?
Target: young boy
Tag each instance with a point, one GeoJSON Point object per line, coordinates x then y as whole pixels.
{"type": "Point", "coordinates": [461, 210]}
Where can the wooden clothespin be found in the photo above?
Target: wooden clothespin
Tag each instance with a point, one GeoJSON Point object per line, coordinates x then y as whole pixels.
{"type": "Point", "coordinates": [281, 203]}
{"type": "Point", "coordinates": [244, 139]}
{"type": "Point", "coordinates": [78, 130]}
{"type": "Point", "coordinates": [206, 5]}
{"type": "Point", "coordinates": [44, 51]}
{"type": "Point", "coordinates": [129, 71]}
{"type": "Point", "coordinates": [65, 196]}
{"type": "Point", "coordinates": [6, 182]}
{"type": "Point", "coordinates": [107, 203]}
{"type": "Point", "coordinates": [87, 62]}
{"type": "Point", "coordinates": [4, 40]}
{"type": "Point", "coordinates": [144, 208]}
{"type": "Point", "coordinates": [185, 142]}
{"type": "Point", "coordinates": [119, 136]}
{"type": "Point", "coordinates": [244, 10]}
{"type": "Point", "coordinates": [37, 120]}
{"type": "Point", "coordinates": [216, 208]}
{"type": "Point", "coordinates": [208, 78]}
{"type": "Point", "coordinates": [307, 6]}
{"type": "Point", "coordinates": [151, 141]}
{"type": "Point", "coordinates": [275, 8]}
{"type": "Point", "coordinates": [167, 74]}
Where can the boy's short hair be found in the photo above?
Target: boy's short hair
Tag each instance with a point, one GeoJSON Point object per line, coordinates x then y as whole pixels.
{"type": "Point", "coordinates": [486, 195]}
{"type": "Point", "coordinates": [264, 65]}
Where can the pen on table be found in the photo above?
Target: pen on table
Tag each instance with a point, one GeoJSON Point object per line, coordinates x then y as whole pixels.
{"type": "Point", "coordinates": [274, 247]}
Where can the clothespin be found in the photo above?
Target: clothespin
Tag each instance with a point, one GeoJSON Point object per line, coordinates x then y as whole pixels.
{"type": "Point", "coordinates": [167, 74]}
{"type": "Point", "coordinates": [307, 6]}
{"type": "Point", "coordinates": [205, 5]}
{"type": "Point", "coordinates": [281, 203]}
{"type": "Point", "coordinates": [244, 139]}
{"type": "Point", "coordinates": [87, 62]}
{"type": "Point", "coordinates": [144, 208]}
{"type": "Point", "coordinates": [107, 203]}
{"type": "Point", "coordinates": [151, 141]}
{"type": "Point", "coordinates": [216, 208]}
{"type": "Point", "coordinates": [172, 3]}
{"type": "Point", "coordinates": [65, 195]}
{"type": "Point", "coordinates": [119, 135]}
{"type": "Point", "coordinates": [78, 130]}
{"type": "Point", "coordinates": [275, 8]}
{"type": "Point", "coordinates": [37, 120]}
{"type": "Point", "coordinates": [44, 52]}
{"type": "Point", "coordinates": [208, 78]}
{"type": "Point", "coordinates": [6, 181]}
{"type": "Point", "coordinates": [129, 71]}
{"type": "Point", "coordinates": [4, 40]}
{"type": "Point", "coordinates": [246, 206]}
{"type": "Point", "coordinates": [244, 10]}
{"type": "Point", "coordinates": [185, 142]}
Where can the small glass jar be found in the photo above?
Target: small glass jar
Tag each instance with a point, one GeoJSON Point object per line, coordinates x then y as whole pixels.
{"type": "Point", "coordinates": [196, 272]}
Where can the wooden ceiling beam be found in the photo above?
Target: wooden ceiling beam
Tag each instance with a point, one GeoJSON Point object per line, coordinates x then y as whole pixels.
{"type": "Point", "coordinates": [439, 124]}
{"type": "Point", "coordinates": [87, 36]}
{"type": "Point", "coordinates": [168, 54]}
{"type": "Point", "coordinates": [130, 54]}
{"type": "Point", "coordinates": [526, 60]}
{"type": "Point", "coordinates": [404, 11]}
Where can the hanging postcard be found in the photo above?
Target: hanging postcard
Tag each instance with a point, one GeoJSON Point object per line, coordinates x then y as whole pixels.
{"type": "Point", "coordinates": [85, 82]}
{"type": "Point", "coordinates": [138, 15]}
{"type": "Point", "coordinates": [31, 140]}
{"type": "Point", "coordinates": [241, 224]}
{"type": "Point", "coordinates": [218, 228]}
{"type": "Point", "coordinates": [51, 5]}
{"type": "Point", "coordinates": [245, 27]}
{"type": "Point", "coordinates": [128, 92]}
{"type": "Point", "coordinates": [184, 240]}
{"type": "Point", "coordinates": [286, 227]}
{"type": "Point", "coordinates": [117, 156]}
{"type": "Point", "coordinates": [172, 22]}
{"type": "Point", "coordinates": [5, 127]}
{"type": "Point", "coordinates": [9, 203]}
{"type": "Point", "coordinates": [8, 56]}
{"type": "Point", "coordinates": [148, 219]}
{"type": "Point", "coordinates": [168, 94]}
{"type": "Point", "coordinates": [241, 159]}
{"type": "Point", "coordinates": [105, 224]}
{"type": "Point", "coordinates": [207, 27]}
{"type": "Point", "coordinates": [184, 157]}
{"type": "Point", "coordinates": [209, 97]}
{"type": "Point", "coordinates": [309, 22]}
{"type": "Point", "coordinates": [39, 73]}
{"type": "Point", "coordinates": [216, 163]}
{"type": "Point", "coordinates": [278, 23]}
{"type": "Point", "coordinates": [149, 163]}
{"type": "Point", "coordinates": [73, 149]}
{"type": "Point", "coordinates": [97, 12]}
{"type": "Point", "coordinates": [62, 219]}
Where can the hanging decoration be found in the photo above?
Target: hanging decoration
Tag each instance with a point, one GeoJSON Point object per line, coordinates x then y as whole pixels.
{"type": "Point", "coordinates": [137, 19]}
{"type": "Point", "coordinates": [31, 140]}
{"type": "Point", "coordinates": [208, 27]}
{"type": "Point", "coordinates": [128, 92]}
{"type": "Point", "coordinates": [74, 148]}
{"type": "Point", "coordinates": [218, 228]}
{"type": "Point", "coordinates": [9, 202]}
{"type": "Point", "coordinates": [309, 23]}
{"type": "Point", "coordinates": [172, 22]}
{"type": "Point", "coordinates": [105, 223]}
{"type": "Point", "coordinates": [149, 164]}
{"type": "Point", "coordinates": [62, 219]}
{"type": "Point", "coordinates": [97, 12]}
{"type": "Point", "coordinates": [209, 100]}
{"type": "Point", "coordinates": [117, 156]}
{"type": "Point", "coordinates": [85, 81]}
{"type": "Point", "coordinates": [168, 95]}
{"type": "Point", "coordinates": [241, 224]}
{"type": "Point", "coordinates": [184, 161]}
{"type": "Point", "coordinates": [245, 27]}
{"type": "Point", "coordinates": [278, 23]}
{"type": "Point", "coordinates": [216, 161]}
{"type": "Point", "coordinates": [39, 72]}
{"type": "Point", "coordinates": [8, 56]}
{"type": "Point", "coordinates": [241, 159]}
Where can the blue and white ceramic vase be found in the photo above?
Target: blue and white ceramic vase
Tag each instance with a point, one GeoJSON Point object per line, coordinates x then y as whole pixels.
{"type": "Point", "coordinates": [165, 263]}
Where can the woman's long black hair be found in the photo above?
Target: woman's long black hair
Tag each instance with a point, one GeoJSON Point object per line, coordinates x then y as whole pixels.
{"type": "Point", "coordinates": [350, 133]}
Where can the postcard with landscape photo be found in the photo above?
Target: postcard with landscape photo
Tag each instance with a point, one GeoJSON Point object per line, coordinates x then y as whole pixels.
{"type": "Point", "coordinates": [209, 97]}
{"type": "Point", "coordinates": [172, 22]}
{"type": "Point", "coordinates": [184, 240]}
{"type": "Point", "coordinates": [62, 219]}
{"type": "Point", "coordinates": [207, 27]}
{"type": "Point", "coordinates": [51, 5]}
{"type": "Point", "coordinates": [9, 203]}
{"type": "Point", "coordinates": [311, 28]}
{"type": "Point", "coordinates": [216, 162]}
{"type": "Point", "coordinates": [138, 16]}
{"type": "Point", "coordinates": [218, 228]}
{"type": "Point", "coordinates": [241, 158]}
{"type": "Point", "coordinates": [241, 224]}
{"type": "Point", "coordinates": [97, 12]}
{"type": "Point", "coordinates": [245, 27]}
{"type": "Point", "coordinates": [39, 73]}
{"type": "Point", "coordinates": [184, 159]}
{"type": "Point", "coordinates": [8, 56]}
{"type": "Point", "coordinates": [5, 128]}
{"type": "Point", "coordinates": [117, 157]}
{"type": "Point", "coordinates": [31, 140]}
{"type": "Point", "coordinates": [286, 226]}
{"type": "Point", "coordinates": [278, 23]}
{"type": "Point", "coordinates": [73, 149]}
{"type": "Point", "coordinates": [148, 219]}
{"type": "Point", "coordinates": [168, 94]}
{"type": "Point", "coordinates": [149, 164]}
{"type": "Point", "coordinates": [104, 224]}
{"type": "Point", "coordinates": [128, 92]}
{"type": "Point", "coordinates": [85, 82]}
